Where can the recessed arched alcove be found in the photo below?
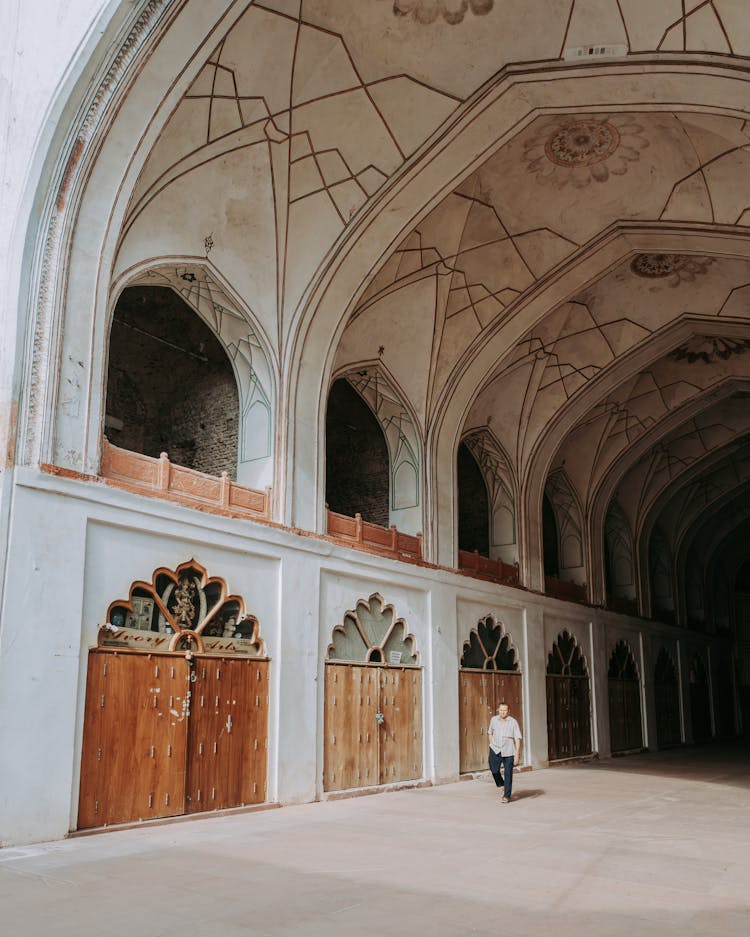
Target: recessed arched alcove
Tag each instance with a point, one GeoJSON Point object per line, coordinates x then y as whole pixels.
{"type": "Point", "coordinates": [170, 385]}
{"type": "Point", "coordinates": [473, 505]}
{"type": "Point", "coordinates": [357, 466]}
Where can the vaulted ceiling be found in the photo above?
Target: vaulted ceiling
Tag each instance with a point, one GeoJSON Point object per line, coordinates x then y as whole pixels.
{"type": "Point", "coordinates": [634, 380]}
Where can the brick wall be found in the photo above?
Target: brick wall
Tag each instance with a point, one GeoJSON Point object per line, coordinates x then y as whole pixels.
{"type": "Point", "coordinates": [170, 383]}
{"type": "Point", "coordinates": [473, 505]}
{"type": "Point", "coordinates": [357, 471]}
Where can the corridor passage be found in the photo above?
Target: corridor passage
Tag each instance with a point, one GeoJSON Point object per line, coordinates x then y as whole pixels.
{"type": "Point", "coordinates": [655, 844]}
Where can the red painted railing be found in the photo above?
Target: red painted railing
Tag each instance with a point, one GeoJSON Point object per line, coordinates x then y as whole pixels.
{"type": "Point", "coordinates": [363, 535]}
{"type": "Point", "coordinates": [163, 479]}
{"type": "Point", "coordinates": [562, 589]}
{"type": "Point", "coordinates": [487, 568]}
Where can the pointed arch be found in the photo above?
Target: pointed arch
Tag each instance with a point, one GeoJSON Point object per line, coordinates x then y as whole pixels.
{"type": "Point", "coordinates": [400, 428]}
{"type": "Point", "coordinates": [618, 553]}
{"type": "Point", "coordinates": [489, 647]}
{"type": "Point", "coordinates": [248, 349]}
{"type": "Point", "coordinates": [501, 486]}
{"type": "Point", "coordinates": [569, 522]}
{"type": "Point", "coordinates": [566, 658]}
{"type": "Point", "coordinates": [371, 633]}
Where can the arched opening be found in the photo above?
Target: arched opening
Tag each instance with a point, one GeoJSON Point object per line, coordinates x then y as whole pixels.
{"type": "Point", "coordinates": [619, 567]}
{"type": "Point", "coordinates": [488, 676]}
{"type": "Point", "coordinates": [373, 700]}
{"type": "Point", "coordinates": [660, 575]}
{"type": "Point", "coordinates": [170, 385]}
{"type": "Point", "coordinates": [568, 700]}
{"type": "Point", "coordinates": [357, 464]}
{"type": "Point", "coordinates": [667, 694]}
{"type": "Point", "coordinates": [700, 705]}
{"type": "Point", "coordinates": [625, 725]}
{"type": "Point", "coordinates": [473, 505]}
{"type": "Point", "coordinates": [550, 539]}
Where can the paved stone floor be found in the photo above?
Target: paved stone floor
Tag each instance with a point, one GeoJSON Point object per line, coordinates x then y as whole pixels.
{"type": "Point", "coordinates": [637, 846]}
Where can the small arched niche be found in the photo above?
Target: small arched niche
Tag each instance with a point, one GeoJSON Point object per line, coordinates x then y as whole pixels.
{"type": "Point", "coordinates": [170, 384]}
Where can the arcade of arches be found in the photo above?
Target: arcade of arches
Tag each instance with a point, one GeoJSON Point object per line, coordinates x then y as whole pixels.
{"type": "Point", "coordinates": [443, 365]}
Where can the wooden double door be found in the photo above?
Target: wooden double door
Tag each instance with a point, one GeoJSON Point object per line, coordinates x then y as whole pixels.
{"type": "Point", "coordinates": [668, 727]}
{"type": "Point", "coordinates": [165, 736]}
{"type": "Point", "coordinates": [568, 716]}
{"type": "Point", "coordinates": [625, 726]}
{"type": "Point", "coordinates": [373, 725]}
{"type": "Point", "coordinates": [480, 692]}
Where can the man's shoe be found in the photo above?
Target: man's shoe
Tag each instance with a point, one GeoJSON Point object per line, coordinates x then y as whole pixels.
{"type": "Point", "coordinates": [505, 800]}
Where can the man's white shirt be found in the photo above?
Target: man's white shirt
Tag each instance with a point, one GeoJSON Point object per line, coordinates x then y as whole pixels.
{"type": "Point", "coordinates": [503, 734]}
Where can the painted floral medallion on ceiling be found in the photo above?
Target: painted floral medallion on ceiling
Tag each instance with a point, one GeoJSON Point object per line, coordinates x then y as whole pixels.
{"type": "Point", "coordinates": [677, 268]}
{"type": "Point", "coordinates": [578, 151]}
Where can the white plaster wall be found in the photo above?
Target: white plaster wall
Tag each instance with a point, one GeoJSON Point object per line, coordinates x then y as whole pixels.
{"type": "Point", "coordinates": [76, 546]}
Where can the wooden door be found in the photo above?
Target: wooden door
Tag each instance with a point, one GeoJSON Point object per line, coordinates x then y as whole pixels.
{"type": "Point", "coordinates": [135, 738]}
{"type": "Point", "coordinates": [625, 726]}
{"type": "Point", "coordinates": [580, 716]}
{"type": "Point", "coordinates": [667, 697]}
{"type": "Point", "coordinates": [401, 729]}
{"type": "Point", "coordinates": [480, 693]}
{"type": "Point", "coordinates": [568, 717]}
{"type": "Point", "coordinates": [227, 736]}
{"type": "Point", "coordinates": [507, 688]}
{"type": "Point", "coordinates": [476, 689]}
{"type": "Point", "coordinates": [351, 739]}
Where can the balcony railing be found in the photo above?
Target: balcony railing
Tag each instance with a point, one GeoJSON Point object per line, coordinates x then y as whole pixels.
{"type": "Point", "coordinates": [563, 589]}
{"type": "Point", "coordinates": [620, 603]}
{"type": "Point", "coordinates": [363, 535]}
{"type": "Point", "coordinates": [482, 566]}
{"type": "Point", "coordinates": [161, 478]}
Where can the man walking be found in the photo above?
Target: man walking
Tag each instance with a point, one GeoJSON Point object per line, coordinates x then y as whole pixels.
{"type": "Point", "coordinates": [505, 746]}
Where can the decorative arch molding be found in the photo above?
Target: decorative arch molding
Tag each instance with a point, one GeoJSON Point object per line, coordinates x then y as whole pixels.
{"type": "Point", "coordinates": [619, 552]}
{"type": "Point", "coordinates": [247, 348]}
{"type": "Point", "coordinates": [715, 522]}
{"type": "Point", "coordinates": [501, 486]}
{"type": "Point", "coordinates": [655, 443]}
{"type": "Point", "coordinates": [542, 456]}
{"type": "Point", "coordinates": [489, 647]}
{"type": "Point", "coordinates": [566, 658]}
{"type": "Point", "coordinates": [403, 436]}
{"type": "Point", "coordinates": [371, 633]}
{"type": "Point", "coordinates": [569, 519]}
{"type": "Point", "coordinates": [182, 609]}
{"type": "Point", "coordinates": [680, 482]}
{"type": "Point", "coordinates": [622, 662]}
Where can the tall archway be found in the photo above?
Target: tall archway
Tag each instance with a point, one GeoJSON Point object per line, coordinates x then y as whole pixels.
{"type": "Point", "coordinates": [373, 700]}
{"type": "Point", "coordinates": [357, 466]}
{"type": "Point", "coordinates": [489, 674]}
{"type": "Point", "coordinates": [618, 553]}
{"type": "Point", "coordinates": [550, 538]}
{"type": "Point", "coordinates": [170, 385]}
{"type": "Point", "coordinates": [667, 699]}
{"type": "Point", "coordinates": [625, 724]}
{"type": "Point", "coordinates": [700, 702]}
{"type": "Point", "coordinates": [568, 700]}
{"type": "Point", "coordinates": [473, 505]}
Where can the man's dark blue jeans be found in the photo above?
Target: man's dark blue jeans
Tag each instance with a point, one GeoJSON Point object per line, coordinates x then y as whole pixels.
{"type": "Point", "coordinates": [501, 767]}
